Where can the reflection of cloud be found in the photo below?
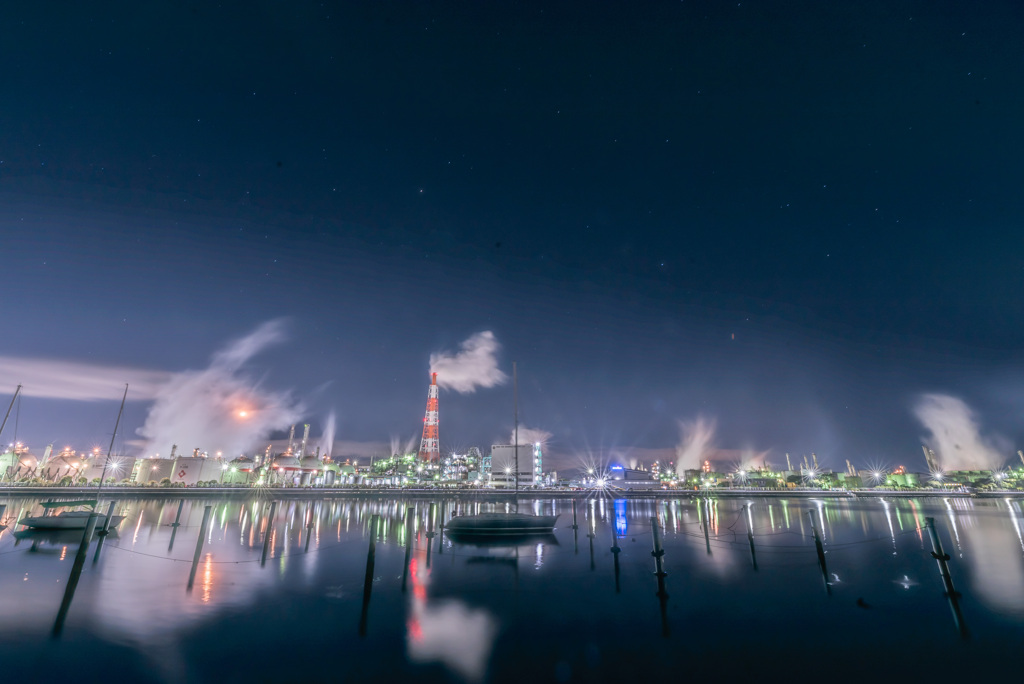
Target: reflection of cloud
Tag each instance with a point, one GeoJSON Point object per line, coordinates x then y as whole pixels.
{"type": "Point", "coordinates": [454, 634]}
{"type": "Point", "coordinates": [448, 631]}
{"type": "Point", "coordinates": [997, 569]}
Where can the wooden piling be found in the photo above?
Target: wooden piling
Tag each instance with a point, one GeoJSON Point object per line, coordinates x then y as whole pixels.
{"type": "Point", "coordinates": [371, 554]}
{"type": "Point", "coordinates": [615, 556]}
{"type": "Point", "coordinates": [952, 594]}
{"type": "Point", "coordinates": [103, 533]}
{"type": "Point", "coordinates": [309, 527]}
{"type": "Point", "coordinates": [199, 547]}
{"type": "Point", "coordinates": [175, 525]}
{"type": "Point", "coordinates": [707, 525]}
{"type": "Point", "coordinates": [268, 533]}
{"type": "Point", "coordinates": [659, 572]}
{"type": "Point", "coordinates": [408, 546]}
{"type": "Point", "coordinates": [821, 553]}
{"type": "Point", "coordinates": [76, 573]}
{"type": "Point", "coordinates": [750, 535]}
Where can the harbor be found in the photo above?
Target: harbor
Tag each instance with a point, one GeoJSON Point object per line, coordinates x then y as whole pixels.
{"type": "Point", "coordinates": [376, 588]}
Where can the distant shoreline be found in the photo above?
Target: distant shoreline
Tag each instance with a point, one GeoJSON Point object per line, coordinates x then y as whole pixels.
{"type": "Point", "coordinates": [498, 495]}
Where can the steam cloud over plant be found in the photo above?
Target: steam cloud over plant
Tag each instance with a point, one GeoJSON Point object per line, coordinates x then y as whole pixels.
{"type": "Point", "coordinates": [474, 365]}
{"type": "Point", "coordinates": [954, 436]}
{"type": "Point", "coordinates": [528, 435]}
{"type": "Point", "coordinates": [220, 408]}
{"type": "Point", "coordinates": [695, 439]}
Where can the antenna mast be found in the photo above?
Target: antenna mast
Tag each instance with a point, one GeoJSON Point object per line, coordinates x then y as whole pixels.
{"type": "Point", "coordinates": [515, 403]}
{"type": "Point", "coordinates": [103, 473]}
{"type": "Point", "coordinates": [3, 424]}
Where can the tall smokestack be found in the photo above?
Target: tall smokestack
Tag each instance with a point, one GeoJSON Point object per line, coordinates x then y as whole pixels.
{"type": "Point", "coordinates": [807, 466]}
{"type": "Point", "coordinates": [789, 466]}
{"type": "Point", "coordinates": [174, 450]}
{"type": "Point", "coordinates": [815, 457]}
{"type": "Point", "coordinates": [49, 450]}
{"type": "Point", "coordinates": [305, 438]}
{"type": "Point", "coordinates": [1021, 454]}
{"type": "Point", "coordinates": [291, 439]}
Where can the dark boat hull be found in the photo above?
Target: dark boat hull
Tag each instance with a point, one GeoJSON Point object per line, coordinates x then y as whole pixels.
{"type": "Point", "coordinates": [500, 524]}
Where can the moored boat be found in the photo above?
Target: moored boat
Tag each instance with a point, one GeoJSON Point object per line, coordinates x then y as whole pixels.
{"type": "Point", "coordinates": [500, 524]}
{"type": "Point", "coordinates": [68, 520]}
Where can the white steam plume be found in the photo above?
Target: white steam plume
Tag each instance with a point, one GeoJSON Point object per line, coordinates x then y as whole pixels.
{"type": "Point", "coordinates": [474, 365]}
{"type": "Point", "coordinates": [220, 409]}
{"type": "Point", "coordinates": [398, 448]}
{"type": "Point", "coordinates": [327, 438]}
{"type": "Point", "coordinates": [954, 435]}
{"type": "Point", "coordinates": [79, 381]}
{"type": "Point", "coordinates": [694, 442]}
{"type": "Point", "coordinates": [528, 435]}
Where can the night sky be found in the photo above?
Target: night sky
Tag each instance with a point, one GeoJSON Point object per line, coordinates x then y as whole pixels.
{"type": "Point", "coordinates": [792, 219]}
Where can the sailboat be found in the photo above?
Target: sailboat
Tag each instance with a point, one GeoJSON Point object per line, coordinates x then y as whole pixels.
{"type": "Point", "coordinates": [78, 519]}
{"type": "Point", "coordinates": [484, 525]}
{"type": "Point", "coordinates": [66, 520]}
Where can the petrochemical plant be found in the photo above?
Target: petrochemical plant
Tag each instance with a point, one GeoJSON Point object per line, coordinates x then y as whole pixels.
{"type": "Point", "coordinates": [297, 465]}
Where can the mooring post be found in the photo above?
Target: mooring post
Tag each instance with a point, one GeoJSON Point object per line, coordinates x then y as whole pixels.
{"type": "Point", "coordinates": [591, 533]}
{"type": "Point", "coordinates": [199, 546]}
{"type": "Point", "coordinates": [750, 534]}
{"type": "Point", "coordinates": [615, 555]}
{"type": "Point", "coordinates": [821, 553]}
{"type": "Point", "coordinates": [659, 572]}
{"type": "Point", "coordinates": [952, 594]}
{"type": "Point", "coordinates": [175, 525]}
{"type": "Point", "coordinates": [440, 534]}
{"type": "Point", "coordinates": [103, 533]}
{"type": "Point", "coordinates": [76, 573]}
{"type": "Point", "coordinates": [430, 530]}
{"type": "Point", "coordinates": [309, 526]}
{"type": "Point", "coordinates": [707, 524]}
{"type": "Point", "coordinates": [408, 546]}
{"type": "Point", "coordinates": [371, 554]}
{"type": "Point", "coordinates": [267, 533]}
{"type": "Point", "coordinates": [575, 530]}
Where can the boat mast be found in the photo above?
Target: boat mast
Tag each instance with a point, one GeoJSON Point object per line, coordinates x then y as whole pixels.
{"type": "Point", "coordinates": [103, 473]}
{"type": "Point", "coordinates": [8, 415]}
{"type": "Point", "coordinates": [515, 403]}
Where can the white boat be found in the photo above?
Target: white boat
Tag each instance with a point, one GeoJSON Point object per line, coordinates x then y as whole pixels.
{"type": "Point", "coordinates": [68, 520]}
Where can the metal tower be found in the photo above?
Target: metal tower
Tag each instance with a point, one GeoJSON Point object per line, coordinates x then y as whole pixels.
{"type": "Point", "coordinates": [430, 447]}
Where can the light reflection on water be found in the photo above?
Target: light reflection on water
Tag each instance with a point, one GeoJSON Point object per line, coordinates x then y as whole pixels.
{"type": "Point", "coordinates": [470, 608]}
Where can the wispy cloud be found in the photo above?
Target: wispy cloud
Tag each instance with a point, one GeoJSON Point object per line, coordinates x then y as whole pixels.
{"type": "Point", "coordinates": [76, 381]}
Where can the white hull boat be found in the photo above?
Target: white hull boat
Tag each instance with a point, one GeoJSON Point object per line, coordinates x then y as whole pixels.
{"type": "Point", "coordinates": [68, 520]}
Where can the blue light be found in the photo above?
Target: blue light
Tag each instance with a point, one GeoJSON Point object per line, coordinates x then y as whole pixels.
{"type": "Point", "coordinates": [620, 517]}
{"type": "Point", "coordinates": [616, 467]}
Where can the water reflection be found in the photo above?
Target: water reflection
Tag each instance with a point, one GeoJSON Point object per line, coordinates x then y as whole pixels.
{"type": "Point", "coordinates": [447, 630]}
{"type": "Point", "coordinates": [462, 608]}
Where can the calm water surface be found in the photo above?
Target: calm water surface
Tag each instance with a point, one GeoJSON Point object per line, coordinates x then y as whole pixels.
{"type": "Point", "coordinates": [544, 609]}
